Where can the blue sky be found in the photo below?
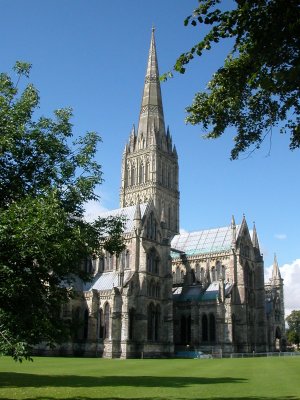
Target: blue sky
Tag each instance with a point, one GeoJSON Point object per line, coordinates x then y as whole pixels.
{"type": "Point", "coordinates": [91, 55]}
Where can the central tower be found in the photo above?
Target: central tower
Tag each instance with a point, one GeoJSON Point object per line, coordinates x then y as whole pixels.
{"type": "Point", "coordinates": [150, 162]}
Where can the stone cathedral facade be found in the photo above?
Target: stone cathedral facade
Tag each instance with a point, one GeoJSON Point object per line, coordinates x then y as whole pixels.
{"type": "Point", "coordinates": [169, 292]}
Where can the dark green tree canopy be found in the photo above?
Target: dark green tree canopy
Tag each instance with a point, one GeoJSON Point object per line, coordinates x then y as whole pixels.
{"type": "Point", "coordinates": [45, 181]}
{"type": "Point", "coordinates": [293, 321]}
{"type": "Point", "coordinates": [258, 86]}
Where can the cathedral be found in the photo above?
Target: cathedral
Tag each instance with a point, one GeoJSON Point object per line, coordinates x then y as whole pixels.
{"type": "Point", "coordinates": [171, 292]}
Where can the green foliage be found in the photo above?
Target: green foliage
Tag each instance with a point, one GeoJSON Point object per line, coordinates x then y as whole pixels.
{"type": "Point", "coordinates": [44, 184]}
{"type": "Point", "coordinates": [258, 86]}
{"type": "Point", "coordinates": [293, 333]}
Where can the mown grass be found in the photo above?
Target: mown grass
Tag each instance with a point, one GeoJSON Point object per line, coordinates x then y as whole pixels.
{"type": "Point", "coordinates": [85, 379]}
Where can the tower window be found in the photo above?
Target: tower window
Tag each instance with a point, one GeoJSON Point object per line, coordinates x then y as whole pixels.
{"type": "Point", "coordinates": [152, 262]}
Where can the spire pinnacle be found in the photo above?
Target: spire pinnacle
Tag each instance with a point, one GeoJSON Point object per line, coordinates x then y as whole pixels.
{"type": "Point", "coordinates": [233, 232]}
{"type": "Point", "coordinates": [255, 238]}
{"type": "Point", "coordinates": [275, 272]}
{"type": "Point", "coordinates": [151, 107]}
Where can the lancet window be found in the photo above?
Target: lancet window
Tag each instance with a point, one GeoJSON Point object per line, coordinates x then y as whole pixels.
{"type": "Point", "coordinates": [101, 324]}
{"type": "Point", "coordinates": [86, 324]}
{"type": "Point", "coordinates": [152, 262]}
{"type": "Point", "coordinates": [147, 172]}
{"type": "Point", "coordinates": [125, 259]}
{"type": "Point", "coordinates": [185, 327]}
{"type": "Point", "coordinates": [153, 317]}
{"type": "Point", "coordinates": [198, 274]}
{"type": "Point", "coordinates": [106, 321]}
{"type": "Point", "coordinates": [101, 264]}
{"type": "Point", "coordinates": [141, 173]}
{"type": "Point", "coordinates": [151, 227]}
{"type": "Point", "coordinates": [132, 176]}
{"type": "Point", "coordinates": [213, 274]}
{"type": "Point", "coordinates": [208, 328]}
{"type": "Point", "coordinates": [131, 320]}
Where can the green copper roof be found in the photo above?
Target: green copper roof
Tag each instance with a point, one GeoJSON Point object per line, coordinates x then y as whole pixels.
{"type": "Point", "coordinates": [201, 242]}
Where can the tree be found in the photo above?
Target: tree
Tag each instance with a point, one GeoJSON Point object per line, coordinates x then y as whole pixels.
{"type": "Point", "coordinates": [45, 181]}
{"type": "Point", "coordinates": [258, 86]}
{"type": "Point", "coordinates": [293, 321]}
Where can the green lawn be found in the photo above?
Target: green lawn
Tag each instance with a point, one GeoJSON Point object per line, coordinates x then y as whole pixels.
{"type": "Point", "coordinates": [84, 379]}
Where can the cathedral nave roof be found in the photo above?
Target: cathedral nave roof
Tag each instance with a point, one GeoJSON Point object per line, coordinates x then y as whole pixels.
{"type": "Point", "coordinates": [201, 242]}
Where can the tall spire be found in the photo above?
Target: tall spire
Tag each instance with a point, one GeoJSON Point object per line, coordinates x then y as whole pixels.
{"type": "Point", "coordinates": [150, 162]}
{"type": "Point", "coordinates": [151, 113]}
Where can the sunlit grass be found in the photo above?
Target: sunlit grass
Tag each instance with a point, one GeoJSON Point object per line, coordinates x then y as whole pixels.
{"type": "Point", "coordinates": [84, 379]}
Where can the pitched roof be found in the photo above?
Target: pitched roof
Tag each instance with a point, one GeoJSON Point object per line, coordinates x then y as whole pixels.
{"type": "Point", "coordinates": [107, 280]}
{"type": "Point", "coordinates": [196, 293]}
{"type": "Point", "coordinates": [128, 213]}
{"type": "Point", "coordinates": [201, 242]}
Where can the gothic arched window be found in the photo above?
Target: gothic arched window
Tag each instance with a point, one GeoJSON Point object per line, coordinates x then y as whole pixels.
{"type": "Point", "coordinates": [202, 275]}
{"type": "Point", "coordinates": [153, 318]}
{"type": "Point", "coordinates": [132, 176]}
{"type": "Point", "coordinates": [204, 328]}
{"type": "Point", "coordinates": [198, 274]}
{"type": "Point", "coordinates": [151, 227]}
{"type": "Point", "coordinates": [157, 323]}
{"type": "Point", "coordinates": [86, 324]}
{"type": "Point", "coordinates": [110, 262]}
{"type": "Point", "coordinates": [218, 270]}
{"type": "Point", "coordinates": [101, 324]}
{"type": "Point", "coordinates": [185, 327]}
{"type": "Point", "coordinates": [157, 290]}
{"type": "Point", "coordinates": [76, 322]}
{"type": "Point", "coordinates": [213, 274]}
{"type": "Point", "coordinates": [101, 264]}
{"type": "Point", "coordinates": [163, 174]}
{"type": "Point", "coordinates": [141, 173]}
{"type": "Point", "coordinates": [147, 173]}
{"type": "Point", "coordinates": [152, 262]}
{"type": "Point", "coordinates": [212, 328]}
{"type": "Point", "coordinates": [127, 259]}
{"type": "Point", "coordinates": [233, 322]}
{"type": "Point", "coordinates": [131, 320]}
{"type": "Point", "coordinates": [193, 275]}
{"type": "Point", "coordinates": [151, 321]}
{"type": "Point", "coordinates": [169, 178]}
{"type": "Point", "coordinates": [106, 321]}
{"type": "Point", "coordinates": [181, 276]}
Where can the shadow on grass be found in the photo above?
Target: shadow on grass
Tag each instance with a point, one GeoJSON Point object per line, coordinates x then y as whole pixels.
{"type": "Point", "coordinates": [22, 380]}
{"type": "Point", "coordinates": [14, 380]}
{"type": "Point", "coordinates": [158, 398]}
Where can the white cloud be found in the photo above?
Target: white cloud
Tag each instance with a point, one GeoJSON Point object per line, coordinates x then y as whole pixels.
{"type": "Point", "coordinates": [280, 236]}
{"type": "Point", "coordinates": [93, 209]}
{"type": "Point", "coordinates": [291, 276]}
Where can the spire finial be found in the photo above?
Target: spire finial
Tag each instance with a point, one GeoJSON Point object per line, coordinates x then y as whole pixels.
{"type": "Point", "coordinates": [233, 232]}
{"type": "Point", "coordinates": [255, 238]}
{"type": "Point", "coordinates": [276, 272]}
{"type": "Point", "coordinates": [151, 107]}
